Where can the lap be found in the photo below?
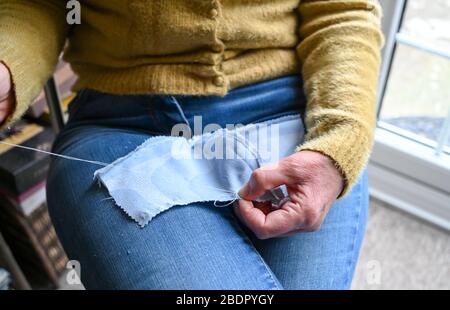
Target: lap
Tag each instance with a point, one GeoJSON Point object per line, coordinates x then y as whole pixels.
{"type": "Point", "coordinates": [197, 246]}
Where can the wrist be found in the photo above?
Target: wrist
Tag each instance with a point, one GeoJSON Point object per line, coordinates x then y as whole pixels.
{"type": "Point", "coordinates": [329, 165]}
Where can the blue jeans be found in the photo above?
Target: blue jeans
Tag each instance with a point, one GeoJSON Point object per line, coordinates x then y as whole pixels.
{"type": "Point", "coordinates": [198, 246]}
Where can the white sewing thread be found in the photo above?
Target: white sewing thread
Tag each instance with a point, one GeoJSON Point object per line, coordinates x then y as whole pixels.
{"type": "Point", "coordinates": [237, 197]}
{"type": "Point", "coordinates": [99, 163]}
{"type": "Point", "coordinates": [104, 165]}
{"type": "Point", "coordinates": [94, 162]}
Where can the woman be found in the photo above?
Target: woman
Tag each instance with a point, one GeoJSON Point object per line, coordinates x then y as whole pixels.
{"type": "Point", "coordinates": [146, 65]}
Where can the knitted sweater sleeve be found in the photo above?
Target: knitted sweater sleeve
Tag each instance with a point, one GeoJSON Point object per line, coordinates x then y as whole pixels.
{"type": "Point", "coordinates": [32, 35]}
{"type": "Point", "coordinates": [340, 56]}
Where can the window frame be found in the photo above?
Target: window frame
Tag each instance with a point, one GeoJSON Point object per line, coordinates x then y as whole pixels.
{"type": "Point", "coordinates": [406, 172]}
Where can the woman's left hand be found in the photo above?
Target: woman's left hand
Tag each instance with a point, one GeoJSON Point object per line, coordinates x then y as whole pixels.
{"type": "Point", "coordinates": [313, 184]}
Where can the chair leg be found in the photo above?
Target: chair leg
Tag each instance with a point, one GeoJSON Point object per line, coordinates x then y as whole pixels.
{"type": "Point", "coordinates": [19, 280]}
{"type": "Point", "coordinates": [54, 105]}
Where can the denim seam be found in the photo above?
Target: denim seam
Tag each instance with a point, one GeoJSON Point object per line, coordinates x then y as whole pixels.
{"type": "Point", "coordinates": [55, 146]}
{"type": "Point", "coordinates": [356, 230]}
{"type": "Point", "coordinates": [180, 109]}
{"type": "Point", "coordinates": [89, 121]}
{"type": "Point", "coordinates": [263, 263]}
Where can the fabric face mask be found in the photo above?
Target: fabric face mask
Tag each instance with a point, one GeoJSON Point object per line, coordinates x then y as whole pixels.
{"type": "Point", "coordinates": [167, 171]}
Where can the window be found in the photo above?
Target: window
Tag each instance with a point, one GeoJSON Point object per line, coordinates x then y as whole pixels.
{"type": "Point", "coordinates": [410, 167]}
{"type": "Point", "coordinates": [416, 100]}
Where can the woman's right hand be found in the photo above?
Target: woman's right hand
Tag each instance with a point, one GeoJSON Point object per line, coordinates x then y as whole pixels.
{"type": "Point", "coordinates": [6, 93]}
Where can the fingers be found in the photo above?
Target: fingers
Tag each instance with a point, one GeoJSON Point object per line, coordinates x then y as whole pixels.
{"type": "Point", "coordinates": [261, 220]}
{"type": "Point", "coordinates": [252, 217]}
{"type": "Point", "coordinates": [312, 189]}
{"type": "Point", "coordinates": [262, 180]}
{"type": "Point", "coordinates": [285, 222]}
{"type": "Point", "coordinates": [269, 225]}
{"type": "Point", "coordinates": [265, 207]}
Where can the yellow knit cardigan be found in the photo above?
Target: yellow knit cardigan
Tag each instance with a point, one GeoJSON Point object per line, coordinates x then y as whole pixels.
{"type": "Point", "coordinates": [201, 47]}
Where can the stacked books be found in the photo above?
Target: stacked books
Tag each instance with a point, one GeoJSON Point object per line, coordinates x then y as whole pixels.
{"type": "Point", "coordinates": [24, 220]}
{"type": "Point", "coordinates": [23, 172]}
{"type": "Point", "coordinates": [35, 245]}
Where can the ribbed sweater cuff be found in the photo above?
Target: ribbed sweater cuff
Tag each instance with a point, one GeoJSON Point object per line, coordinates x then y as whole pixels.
{"type": "Point", "coordinates": [348, 146]}
{"type": "Point", "coordinates": [32, 35]}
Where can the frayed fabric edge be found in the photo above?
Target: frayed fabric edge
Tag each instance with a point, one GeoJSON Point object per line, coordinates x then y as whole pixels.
{"type": "Point", "coordinates": [142, 221]}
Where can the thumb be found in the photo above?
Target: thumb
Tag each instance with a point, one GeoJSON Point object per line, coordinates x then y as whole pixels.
{"type": "Point", "coordinates": [262, 180]}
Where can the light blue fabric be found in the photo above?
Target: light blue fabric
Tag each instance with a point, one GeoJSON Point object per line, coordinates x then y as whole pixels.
{"type": "Point", "coordinates": [197, 246]}
{"type": "Point", "coordinates": [208, 167]}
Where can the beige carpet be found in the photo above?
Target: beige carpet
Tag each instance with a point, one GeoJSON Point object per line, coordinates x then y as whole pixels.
{"type": "Point", "coordinates": [402, 252]}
